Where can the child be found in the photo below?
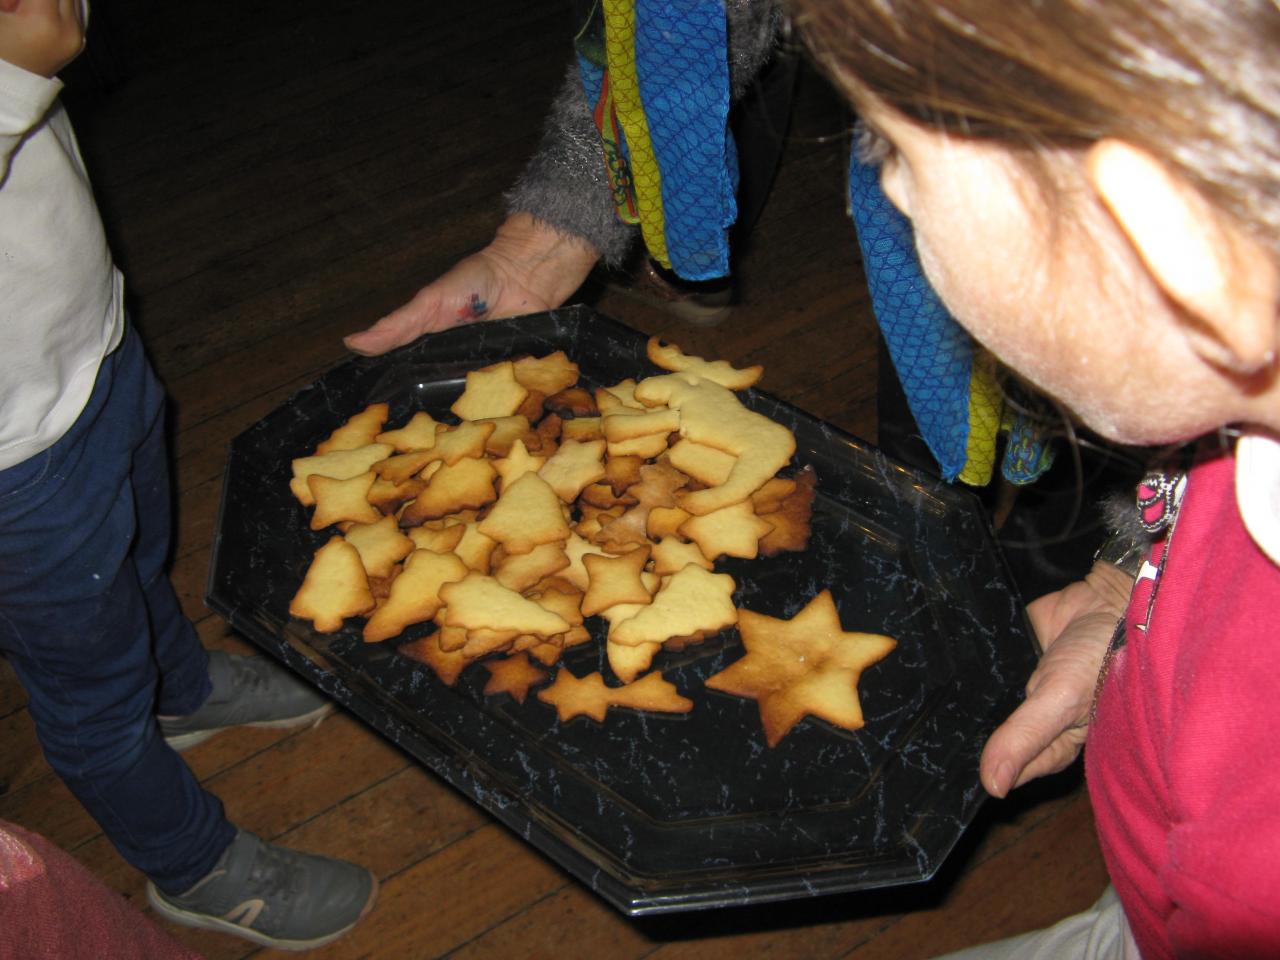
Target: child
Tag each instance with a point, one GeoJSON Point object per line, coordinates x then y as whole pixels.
{"type": "Point", "coordinates": [1095, 192]}
{"type": "Point", "coordinates": [88, 619]}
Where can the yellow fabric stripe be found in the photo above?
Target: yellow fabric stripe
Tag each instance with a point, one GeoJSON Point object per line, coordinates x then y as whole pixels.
{"type": "Point", "coordinates": [985, 404]}
{"type": "Point", "coordinates": [620, 50]}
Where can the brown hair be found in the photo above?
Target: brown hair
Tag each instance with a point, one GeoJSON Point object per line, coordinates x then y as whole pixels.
{"type": "Point", "coordinates": [1194, 82]}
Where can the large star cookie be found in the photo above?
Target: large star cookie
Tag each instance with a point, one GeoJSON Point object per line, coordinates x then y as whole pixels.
{"type": "Point", "coordinates": [805, 666]}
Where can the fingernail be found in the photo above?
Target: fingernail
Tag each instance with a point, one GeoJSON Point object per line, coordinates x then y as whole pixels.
{"type": "Point", "coordinates": [1002, 780]}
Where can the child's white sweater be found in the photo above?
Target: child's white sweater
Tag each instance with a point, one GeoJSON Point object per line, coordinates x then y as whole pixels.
{"type": "Point", "coordinates": [61, 297]}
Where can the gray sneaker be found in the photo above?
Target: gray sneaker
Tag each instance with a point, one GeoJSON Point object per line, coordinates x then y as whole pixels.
{"type": "Point", "coordinates": [247, 691]}
{"type": "Point", "coordinates": [273, 896]}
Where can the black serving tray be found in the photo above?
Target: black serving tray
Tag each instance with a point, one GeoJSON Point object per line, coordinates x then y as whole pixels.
{"type": "Point", "coordinates": [661, 813]}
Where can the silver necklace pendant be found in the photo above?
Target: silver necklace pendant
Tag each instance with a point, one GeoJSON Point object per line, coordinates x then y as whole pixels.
{"type": "Point", "coordinates": [1158, 490]}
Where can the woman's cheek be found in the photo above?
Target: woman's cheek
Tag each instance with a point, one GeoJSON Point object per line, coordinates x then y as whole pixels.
{"type": "Point", "coordinates": [998, 309]}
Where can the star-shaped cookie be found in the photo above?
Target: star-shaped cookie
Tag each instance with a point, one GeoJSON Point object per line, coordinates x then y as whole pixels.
{"type": "Point", "coordinates": [512, 675]}
{"type": "Point", "coordinates": [805, 666]}
{"type": "Point", "coordinates": [589, 696]}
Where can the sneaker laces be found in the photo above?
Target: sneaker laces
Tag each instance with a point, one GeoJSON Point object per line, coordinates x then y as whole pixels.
{"type": "Point", "coordinates": [272, 875]}
{"type": "Point", "coordinates": [244, 678]}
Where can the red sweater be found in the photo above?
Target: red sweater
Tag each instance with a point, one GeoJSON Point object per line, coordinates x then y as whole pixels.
{"type": "Point", "coordinates": [52, 908]}
{"type": "Point", "coordinates": [1183, 758]}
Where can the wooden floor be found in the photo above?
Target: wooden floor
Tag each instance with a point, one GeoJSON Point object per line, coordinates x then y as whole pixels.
{"type": "Point", "coordinates": [272, 181]}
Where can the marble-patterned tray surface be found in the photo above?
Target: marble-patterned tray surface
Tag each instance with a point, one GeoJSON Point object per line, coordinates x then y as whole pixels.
{"type": "Point", "coordinates": [656, 812]}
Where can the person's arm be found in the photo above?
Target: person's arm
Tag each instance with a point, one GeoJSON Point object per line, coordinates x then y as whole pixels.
{"type": "Point", "coordinates": [560, 223]}
{"type": "Point", "coordinates": [565, 185]}
{"type": "Point", "coordinates": [560, 215]}
{"type": "Point", "coordinates": [1046, 732]}
{"type": "Point", "coordinates": [528, 266]}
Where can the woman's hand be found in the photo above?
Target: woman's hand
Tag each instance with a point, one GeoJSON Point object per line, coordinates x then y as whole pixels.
{"type": "Point", "coordinates": [1046, 732]}
{"type": "Point", "coordinates": [40, 36]}
{"type": "Point", "coordinates": [528, 266]}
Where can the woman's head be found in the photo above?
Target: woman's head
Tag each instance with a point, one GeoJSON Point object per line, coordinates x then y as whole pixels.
{"type": "Point", "coordinates": [1087, 179]}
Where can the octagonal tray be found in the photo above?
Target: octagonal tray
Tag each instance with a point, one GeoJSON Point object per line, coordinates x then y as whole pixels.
{"type": "Point", "coordinates": [662, 813]}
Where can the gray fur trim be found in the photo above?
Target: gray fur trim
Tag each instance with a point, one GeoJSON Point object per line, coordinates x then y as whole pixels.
{"type": "Point", "coordinates": [1120, 515]}
{"type": "Point", "coordinates": [564, 183]}
{"type": "Point", "coordinates": [753, 29]}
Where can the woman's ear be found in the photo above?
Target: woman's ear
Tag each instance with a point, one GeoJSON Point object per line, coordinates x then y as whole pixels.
{"type": "Point", "coordinates": [1227, 283]}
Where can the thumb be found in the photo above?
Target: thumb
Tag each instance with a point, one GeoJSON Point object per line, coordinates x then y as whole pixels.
{"type": "Point", "coordinates": [1030, 731]}
{"type": "Point", "coordinates": [394, 330]}
{"type": "Point", "coordinates": [381, 337]}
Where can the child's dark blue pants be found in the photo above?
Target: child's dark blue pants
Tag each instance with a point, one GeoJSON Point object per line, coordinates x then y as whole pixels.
{"type": "Point", "coordinates": [92, 626]}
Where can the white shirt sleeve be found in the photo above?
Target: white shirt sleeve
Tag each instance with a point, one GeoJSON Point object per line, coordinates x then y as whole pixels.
{"type": "Point", "coordinates": [25, 98]}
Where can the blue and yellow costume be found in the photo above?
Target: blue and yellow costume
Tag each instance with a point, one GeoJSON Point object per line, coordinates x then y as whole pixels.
{"type": "Point", "coordinates": [656, 75]}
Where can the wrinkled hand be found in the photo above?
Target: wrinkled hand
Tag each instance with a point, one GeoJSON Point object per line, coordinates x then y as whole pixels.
{"type": "Point", "coordinates": [40, 36]}
{"type": "Point", "coordinates": [1046, 732]}
{"type": "Point", "coordinates": [528, 267]}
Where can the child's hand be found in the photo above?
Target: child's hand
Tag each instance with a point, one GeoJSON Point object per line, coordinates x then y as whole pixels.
{"type": "Point", "coordinates": [1045, 733]}
{"type": "Point", "coordinates": [41, 36]}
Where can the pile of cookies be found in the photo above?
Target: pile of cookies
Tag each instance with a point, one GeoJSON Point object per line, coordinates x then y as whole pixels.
{"type": "Point", "coordinates": [546, 504]}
